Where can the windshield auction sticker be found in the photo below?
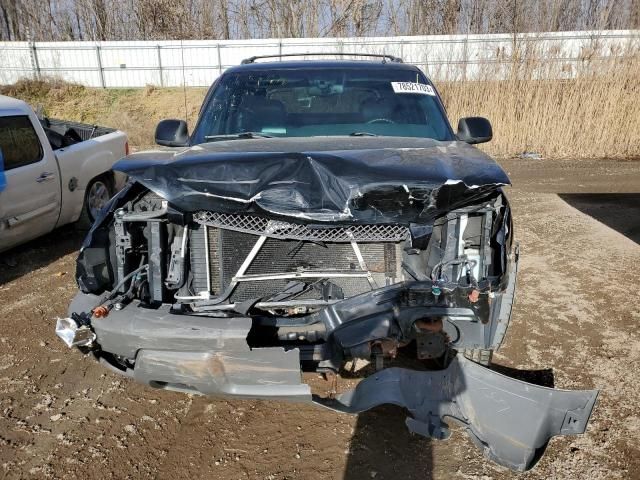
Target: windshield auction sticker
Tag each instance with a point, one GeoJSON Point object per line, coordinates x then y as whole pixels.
{"type": "Point", "coordinates": [410, 87]}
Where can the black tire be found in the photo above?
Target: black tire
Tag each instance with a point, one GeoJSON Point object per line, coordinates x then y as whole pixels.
{"type": "Point", "coordinates": [98, 192]}
{"type": "Point", "coordinates": [479, 355]}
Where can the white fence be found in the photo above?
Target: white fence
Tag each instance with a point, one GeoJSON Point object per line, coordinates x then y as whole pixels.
{"type": "Point", "coordinates": [199, 62]}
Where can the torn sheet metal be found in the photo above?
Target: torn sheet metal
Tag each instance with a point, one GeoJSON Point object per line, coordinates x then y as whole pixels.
{"type": "Point", "coordinates": [356, 180]}
{"type": "Point", "coordinates": [509, 420]}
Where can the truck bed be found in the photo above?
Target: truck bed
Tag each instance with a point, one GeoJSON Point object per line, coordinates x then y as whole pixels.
{"type": "Point", "coordinates": [64, 133]}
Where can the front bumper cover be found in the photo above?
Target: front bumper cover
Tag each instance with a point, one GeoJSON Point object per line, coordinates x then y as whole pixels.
{"type": "Point", "coordinates": [511, 421]}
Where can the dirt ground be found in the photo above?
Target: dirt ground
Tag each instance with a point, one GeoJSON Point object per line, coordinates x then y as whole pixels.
{"type": "Point", "coordinates": [578, 222]}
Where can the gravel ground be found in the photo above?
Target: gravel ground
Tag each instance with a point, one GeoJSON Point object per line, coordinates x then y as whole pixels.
{"type": "Point", "coordinates": [578, 223]}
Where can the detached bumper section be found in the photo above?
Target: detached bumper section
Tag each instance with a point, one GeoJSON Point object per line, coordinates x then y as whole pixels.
{"type": "Point", "coordinates": [511, 421]}
{"type": "Point", "coordinates": [196, 354]}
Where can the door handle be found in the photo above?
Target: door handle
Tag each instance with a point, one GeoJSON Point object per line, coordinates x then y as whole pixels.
{"type": "Point", "coordinates": [45, 177]}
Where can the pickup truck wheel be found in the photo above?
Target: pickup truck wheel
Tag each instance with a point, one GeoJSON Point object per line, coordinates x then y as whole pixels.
{"type": "Point", "coordinates": [98, 193]}
{"type": "Point", "coordinates": [479, 355]}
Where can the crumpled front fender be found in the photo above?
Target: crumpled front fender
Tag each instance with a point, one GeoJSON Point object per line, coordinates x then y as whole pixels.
{"type": "Point", "coordinates": [510, 420]}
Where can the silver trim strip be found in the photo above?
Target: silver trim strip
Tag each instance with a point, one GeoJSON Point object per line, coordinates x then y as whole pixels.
{"type": "Point", "coordinates": [303, 274]}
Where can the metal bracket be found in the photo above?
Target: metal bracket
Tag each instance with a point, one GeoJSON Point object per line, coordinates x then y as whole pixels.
{"type": "Point", "coordinates": [123, 244]}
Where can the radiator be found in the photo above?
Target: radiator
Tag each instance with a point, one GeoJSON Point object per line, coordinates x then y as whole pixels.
{"type": "Point", "coordinates": [228, 249]}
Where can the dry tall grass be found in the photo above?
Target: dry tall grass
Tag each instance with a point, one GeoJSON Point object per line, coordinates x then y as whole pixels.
{"type": "Point", "coordinates": [595, 113]}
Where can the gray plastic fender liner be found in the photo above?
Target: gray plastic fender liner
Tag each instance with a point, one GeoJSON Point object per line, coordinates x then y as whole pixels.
{"type": "Point", "coordinates": [510, 420]}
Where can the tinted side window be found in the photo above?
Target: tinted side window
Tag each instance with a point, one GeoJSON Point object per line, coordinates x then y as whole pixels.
{"type": "Point", "coordinates": [19, 142]}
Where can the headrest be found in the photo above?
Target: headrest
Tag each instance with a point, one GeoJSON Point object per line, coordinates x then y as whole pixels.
{"type": "Point", "coordinates": [374, 108]}
{"type": "Point", "coordinates": [265, 112]}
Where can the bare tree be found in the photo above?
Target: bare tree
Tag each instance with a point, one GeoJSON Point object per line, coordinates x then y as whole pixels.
{"type": "Point", "coordinates": [232, 19]}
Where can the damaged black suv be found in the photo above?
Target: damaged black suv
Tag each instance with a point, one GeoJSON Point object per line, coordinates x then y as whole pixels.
{"type": "Point", "coordinates": [320, 214]}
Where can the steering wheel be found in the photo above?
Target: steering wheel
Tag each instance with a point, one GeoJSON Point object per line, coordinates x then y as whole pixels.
{"type": "Point", "coordinates": [380, 120]}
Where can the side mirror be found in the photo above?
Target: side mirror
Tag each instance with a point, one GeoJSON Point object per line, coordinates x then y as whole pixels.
{"type": "Point", "coordinates": [172, 133]}
{"type": "Point", "coordinates": [474, 130]}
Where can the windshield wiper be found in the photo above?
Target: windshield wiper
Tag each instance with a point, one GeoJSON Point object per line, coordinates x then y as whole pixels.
{"type": "Point", "coordinates": [362, 134]}
{"type": "Point", "coordinates": [236, 136]}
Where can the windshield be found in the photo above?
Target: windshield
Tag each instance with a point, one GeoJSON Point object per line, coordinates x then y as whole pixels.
{"type": "Point", "coordinates": [322, 102]}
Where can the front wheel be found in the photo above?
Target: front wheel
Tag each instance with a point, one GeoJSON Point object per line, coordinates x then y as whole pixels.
{"type": "Point", "coordinates": [479, 355]}
{"type": "Point", "coordinates": [98, 193]}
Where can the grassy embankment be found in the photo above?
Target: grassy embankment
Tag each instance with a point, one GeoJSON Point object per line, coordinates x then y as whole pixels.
{"type": "Point", "coordinates": [594, 114]}
{"type": "Point", "coordinates": [136, 111]}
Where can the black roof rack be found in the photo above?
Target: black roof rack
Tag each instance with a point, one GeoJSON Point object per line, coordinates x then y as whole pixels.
{"type": "Point", "coordinates": [384, 57]}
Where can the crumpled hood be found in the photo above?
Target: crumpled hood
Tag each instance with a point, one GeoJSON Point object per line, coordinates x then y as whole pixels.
{"type": "Point", "coordinates": [321, 179]}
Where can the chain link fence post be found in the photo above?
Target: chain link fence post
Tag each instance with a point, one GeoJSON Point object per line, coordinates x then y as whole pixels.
{"type": "Point", "coordinates": [33, 55]}
{"type": "Point", "coordinates": [426, 57]}
{"type": "Point", "coordinates": [100, 69]}
{"type": "Point", "coordinates": [465, 58]}
{"type": "Point", "coordinates": [35, 66]}
{"type": "Point", "coordinates": [160, 66]}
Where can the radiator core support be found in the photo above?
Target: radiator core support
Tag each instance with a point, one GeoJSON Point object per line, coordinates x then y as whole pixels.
{"type": "Point", "coordinates": [232, 265]}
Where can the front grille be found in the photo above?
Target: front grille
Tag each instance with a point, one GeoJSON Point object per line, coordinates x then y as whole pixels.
{"type": "Point", "coordinates": [297, 231]}
{"type": "Point", "coordinates": [228, 250]}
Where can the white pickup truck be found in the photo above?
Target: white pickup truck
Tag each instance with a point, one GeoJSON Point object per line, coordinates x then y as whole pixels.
{"type": "Point", "coordinates": [52, 172]}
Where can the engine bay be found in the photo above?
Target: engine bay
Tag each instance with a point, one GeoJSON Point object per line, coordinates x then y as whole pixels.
{"type": "Point", "coordinates": [303, 285]}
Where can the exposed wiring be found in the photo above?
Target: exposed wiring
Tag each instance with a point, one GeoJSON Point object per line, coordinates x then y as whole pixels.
{"type": "Point", "coordinates": [438, 276]}
{"type": "Point", "coordinates": [128, 276]}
